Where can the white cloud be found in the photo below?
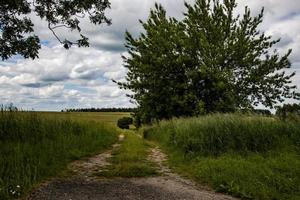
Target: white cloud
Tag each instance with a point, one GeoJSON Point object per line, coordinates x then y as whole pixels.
{"type": "Point", "coordinates": [51, 91]}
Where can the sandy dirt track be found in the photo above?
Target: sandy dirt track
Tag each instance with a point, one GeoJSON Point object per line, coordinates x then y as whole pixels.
{"type": "Point", "coordinates": [85, 185]}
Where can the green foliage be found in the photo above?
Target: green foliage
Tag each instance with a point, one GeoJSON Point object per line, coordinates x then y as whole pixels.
{"type": "Point", "coordinates": [200, 109]}
{"type": "Point", "coordinates": [289, 112]}
{"type": "Point", "coordinates": [17, 28]}
{"type": "Point", "coordinates": [155, 69]}
{"type": "Point", "coordinates": [130, 160]}
{"type": "Point", "coordinates": [262, 112]}
{"type": "Point", "coordinates": [125, 122]}
{"type": "Point", "coordinates": [34, 147]}
{"type": "Point", "coordinates": [248, 156]}
{"type": "Point", "coordinates": [211, 61]}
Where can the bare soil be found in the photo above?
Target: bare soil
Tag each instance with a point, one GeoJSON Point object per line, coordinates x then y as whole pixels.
{"type": "Point", "coordinates": [86, 169]}
{"type": "Point", "coordinates": [84, 184]}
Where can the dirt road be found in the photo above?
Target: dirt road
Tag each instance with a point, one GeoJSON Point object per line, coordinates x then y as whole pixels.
{"type": "Point", "coordinates": [85, 185]}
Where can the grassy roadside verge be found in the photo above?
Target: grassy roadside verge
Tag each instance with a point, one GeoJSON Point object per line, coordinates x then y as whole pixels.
{"type": "Point", "coordinates": [130, 159]}
{"type": "Point", "coordinates": [247, 157]}
{"type": "Point", "coordinates": [34, 148]}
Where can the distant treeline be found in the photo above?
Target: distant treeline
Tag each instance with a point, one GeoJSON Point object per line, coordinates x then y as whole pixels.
{"type": "Point", "coordinates": [100, 110]}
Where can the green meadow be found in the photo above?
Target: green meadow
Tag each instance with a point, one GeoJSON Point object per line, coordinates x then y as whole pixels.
{"type": "Point", "coordinates": [38, 146]}
{"type": "Point", "coordinates": [250, 157]}
{"type": "Point", "coordinates": [130, 159]}
{"type": "Point", "coordinates": [101, 117]}
{"type": "Point", "coordinates": [246, 156]}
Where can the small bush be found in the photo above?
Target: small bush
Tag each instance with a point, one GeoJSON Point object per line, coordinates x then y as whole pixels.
{"type": "Point", "coordinates": [125, 122]}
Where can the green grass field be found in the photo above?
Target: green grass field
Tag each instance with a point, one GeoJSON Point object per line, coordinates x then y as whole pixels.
{"type": "Point", "coordinates": [36, 146]}
{"type": "Point", "coordinates": [102, 117]}
{"type": "Point", "coordinates": [250, 157]}
{"type": "Point", "coordinates": [130, 159]}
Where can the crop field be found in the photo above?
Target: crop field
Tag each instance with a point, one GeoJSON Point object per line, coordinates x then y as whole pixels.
{"type": "Point", "coordinates": [250, 157]}
{"type": "Point", "coordinates": [102, 117]}
{"type": "Point", "coordinates": [37, 146]}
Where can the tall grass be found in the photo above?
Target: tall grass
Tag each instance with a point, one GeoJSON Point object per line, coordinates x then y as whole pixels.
{"type": "Point", "coordinates": [252, 157]}
{"type": "Point", "coordinates": [217, 134]}
{"type": "Point", "coordinates": [35, 147]}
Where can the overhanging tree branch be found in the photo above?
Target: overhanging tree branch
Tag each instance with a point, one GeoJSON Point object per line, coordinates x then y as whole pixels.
{"type": "Point", "coordinates": [17, 37]}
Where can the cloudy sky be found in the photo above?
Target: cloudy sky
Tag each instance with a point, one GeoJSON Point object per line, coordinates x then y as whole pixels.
{"type": "Point", "coordinates": [81, 77]}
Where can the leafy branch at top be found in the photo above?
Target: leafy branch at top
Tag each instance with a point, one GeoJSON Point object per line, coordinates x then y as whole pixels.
{"type": "Point", "coordinates": [16, 28]}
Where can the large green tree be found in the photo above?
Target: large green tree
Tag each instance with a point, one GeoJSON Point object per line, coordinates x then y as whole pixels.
{"type": "Point", "coordinates": [156, 68]}
{"type": "Point", "coordinates": [211, 61]}
{"type": "Point", "coordinates": [16, 28]}
{"type": "Point", "coordinates": [234, 64]}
